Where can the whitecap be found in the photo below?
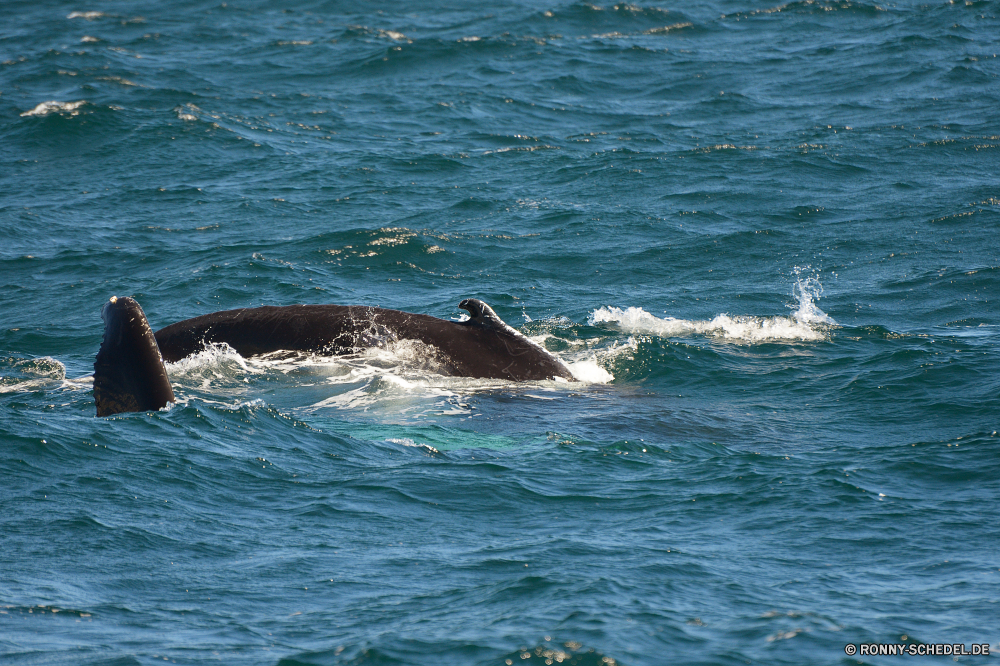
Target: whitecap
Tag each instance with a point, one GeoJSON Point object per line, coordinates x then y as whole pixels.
{"type": "Point", "coordinates": [807, 323]}
{"type": "Point", "coordinates": [735, 328]}
{"type": "Point", "coordinates": [45, 108]}
{"type": "Point", "coordinates": [187, 111]}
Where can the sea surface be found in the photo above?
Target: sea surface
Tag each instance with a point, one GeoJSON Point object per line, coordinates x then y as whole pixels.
{"type": "Point", "coordinates": [764, 236]}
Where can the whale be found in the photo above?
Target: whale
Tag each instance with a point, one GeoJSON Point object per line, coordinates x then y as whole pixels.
{"type": "Point", "coordinates": [130, 375]}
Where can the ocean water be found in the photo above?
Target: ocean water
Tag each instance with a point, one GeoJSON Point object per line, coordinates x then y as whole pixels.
{"type": "Point", "coordinates": [765, 237]}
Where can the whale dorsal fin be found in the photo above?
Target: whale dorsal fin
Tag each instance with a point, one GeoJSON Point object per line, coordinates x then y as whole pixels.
{"type": "Point", "coordinates": [481, 314]}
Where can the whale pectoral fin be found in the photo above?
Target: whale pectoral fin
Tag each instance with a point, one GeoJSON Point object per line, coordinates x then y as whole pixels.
{"type": "Point", "coordinates": [129, 375]}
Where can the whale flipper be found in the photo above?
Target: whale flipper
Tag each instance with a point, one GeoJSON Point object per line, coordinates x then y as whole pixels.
{"type": "Point", "coordinates": [129, 375]}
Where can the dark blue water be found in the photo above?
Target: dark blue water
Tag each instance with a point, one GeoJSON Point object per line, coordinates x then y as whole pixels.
{"type": "Point", "coordinates": [766, 238]}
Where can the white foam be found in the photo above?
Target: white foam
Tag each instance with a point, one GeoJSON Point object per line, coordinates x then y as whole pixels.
{"type": "Point", "coordinates": [739, 328]}
{"type": "Point", "coordinates": [582, 362]}
{"type": "Point", "coordinates": [590, 371]}
{"type": "Point", "coordinates": [401, 378]}
{"type": "Point", "coordinates": [34, 373]}
{"type": "Point", "coordinates": [187, 111]}
{"type": "Point", "coordinates": [405, 379]}
{"type": "Point", "coordinates": [213, 354]}
{"type": "Point", "coordinates": [217, 362]}
{"type": "Point", "coordinates": [45, 108]}
{"type": "Point", "coordinates": [385, 393]}
{"type": "Point", "coordinates": [406, 441]}
{"type": "Point", "coordinates": [591, 365]}
{"type": "Point", "coordinates": [90, 16]}
{"type": "Point", "coordinates": [807, 323]}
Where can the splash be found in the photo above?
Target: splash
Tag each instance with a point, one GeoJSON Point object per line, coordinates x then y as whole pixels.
{"type": "Point", "coordinates": [213, 354]}
{"type": "Point", "coordinates": [585, 364]}
{"type": "Point", "coordinates": [807, 291]}
{"type": "Point", "coordinates": [808, 323]}
{"type": "Point", "coordinates": [216, 365]}
{"type": "Point", "coordinates": [589, 370]}
{"type": "Point", "coordinates": [30, 374]}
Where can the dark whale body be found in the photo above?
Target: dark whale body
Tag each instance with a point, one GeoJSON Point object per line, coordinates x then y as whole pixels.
{"type": "Point", "coordinates": [129, 375]}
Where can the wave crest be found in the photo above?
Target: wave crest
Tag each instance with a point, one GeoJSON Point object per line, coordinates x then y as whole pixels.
{"type": "Point", "coordinates": [808, 323]}
{"type": "Point", "coordinates": [45, 108]}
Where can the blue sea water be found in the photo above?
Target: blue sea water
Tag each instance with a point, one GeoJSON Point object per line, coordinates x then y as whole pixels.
{"type": "Point", "coordinates": [765, 236]}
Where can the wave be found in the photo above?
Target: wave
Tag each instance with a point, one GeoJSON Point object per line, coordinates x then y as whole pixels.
{"type": "Point", "coordinates": [29, 374]}
{"type": "Point", "coordinates": [808, 323]}
{"type": "Point", "coordinates": [46, 108]}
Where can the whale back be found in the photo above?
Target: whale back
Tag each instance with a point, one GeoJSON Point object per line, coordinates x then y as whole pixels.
{"type": "Point", "coordinates": [129, 375]}
{"type": "Point", "coordinates": [491, 349]}
{"type": "Point", "coordinates": [481, 347]}
{"type": "Point", "coordinates": [323, 329]}
{"type": "Point", "coordinates": [129, 372]}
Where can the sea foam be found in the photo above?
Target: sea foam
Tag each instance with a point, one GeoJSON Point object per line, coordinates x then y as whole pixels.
{"type": "Point", "coordinates": [807, 323]}
{"type": "Point", "coordinates": [45, 108]}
